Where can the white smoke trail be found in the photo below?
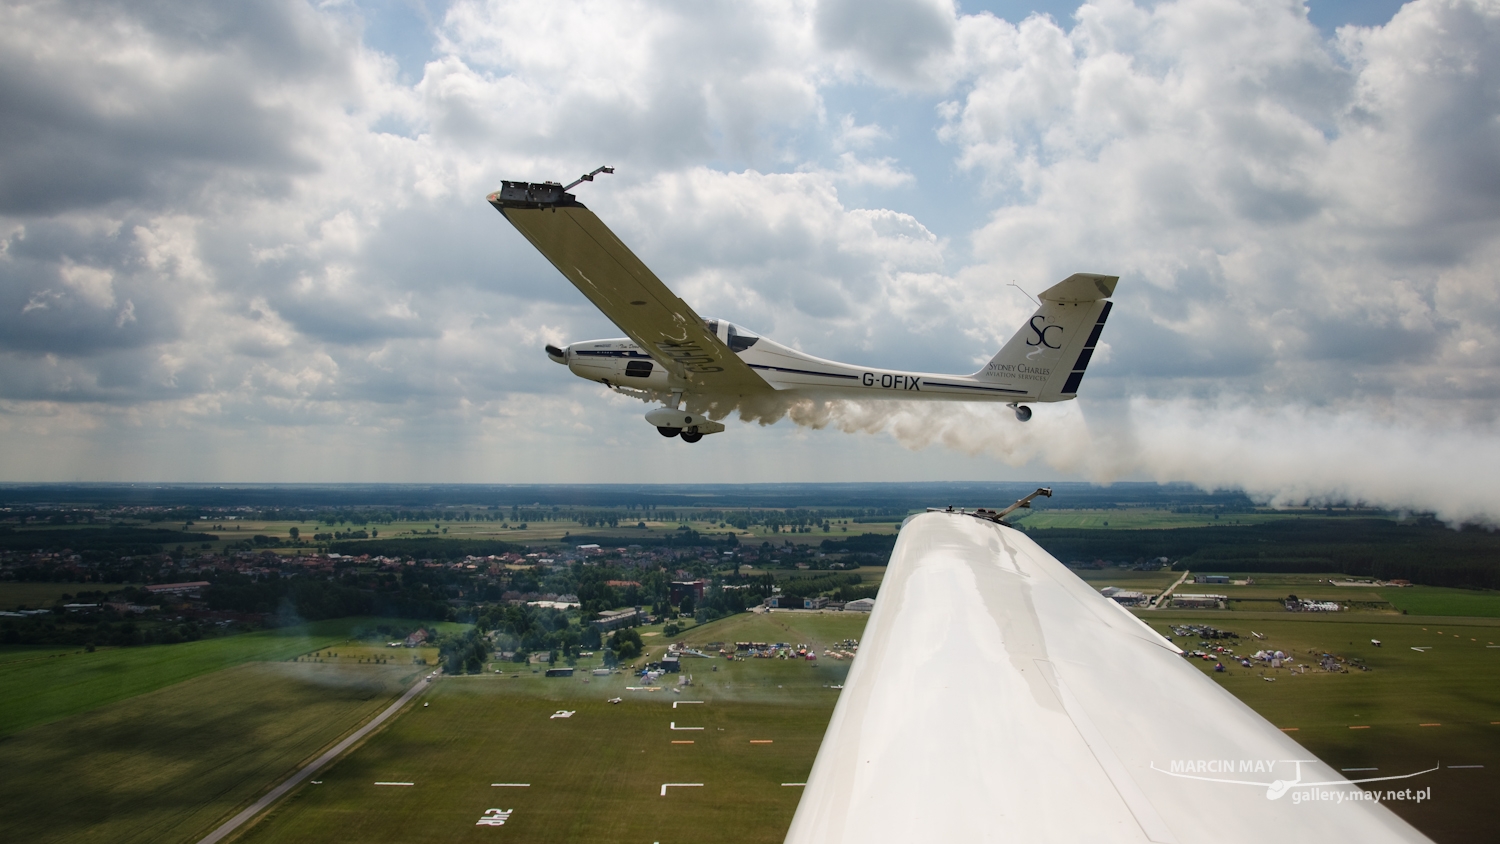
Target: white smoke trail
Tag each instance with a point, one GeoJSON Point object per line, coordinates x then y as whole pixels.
{"type": "Point", "coordinates": [1281, 456]}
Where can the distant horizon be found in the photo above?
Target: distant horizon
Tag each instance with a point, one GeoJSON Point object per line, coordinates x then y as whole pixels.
{"type": "Point", "coordinates": [793, 495]}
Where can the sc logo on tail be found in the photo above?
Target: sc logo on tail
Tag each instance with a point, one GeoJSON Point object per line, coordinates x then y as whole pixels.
{"type": "Point", "coordinates": [1041, 333]}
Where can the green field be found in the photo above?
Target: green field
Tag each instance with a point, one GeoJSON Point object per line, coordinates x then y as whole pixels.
{"type": "Point", "coordinates": [596, 775]}
{"type": "Point", "coordinates": [15, 595]}
{"type": "Point", "coordinates": [1435, 600]}
{"type": "Point", "coordinates": [1456, 684]}
{"type": "Point", "coordinates": [1138, 519]}
{"type": "Point", "coordinates": [170, 765]}
{"type": "Point", "coordinates": [36, 691]}
{"type": "Point", "coordinates": [28, 653]}
{"type": "Point", "coordinates": [1141, 581]}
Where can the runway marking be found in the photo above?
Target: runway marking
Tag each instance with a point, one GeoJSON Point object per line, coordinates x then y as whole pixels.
{"type": "Point", "coordinates": [675, 702]}
{"type": "Point", "coordinates": [510, 785]}
{"type": "Point", "coordinates": [1289, 729]}
{"type": "Point", "coordinates": [1465, 766]}
{"type": "Point", "coordinates": [563, 713]}
{"type": "Point", "coordinates": [495, 817]}
{"type": "Point", "coordinates": [761, 741]}
{"type": "Point", "coordinates": [1423, 650]}
{"type": "Point", "coordinates": [667, 785]}
{"type": "Point", "coordinates": [675, 727]}
{"type": "Point", "coordinates": [1429, 725]}
{"type": "Point", "coordinates": [395, 783]}
{"type": "Point", "coordinates": [1359, 769]}
{"type": "Point", "coordinates": [1366, 727]}
{"type": "Point", "coordinates": [675, 741]}
{"type": "Point", "coordinates": [785, 784]}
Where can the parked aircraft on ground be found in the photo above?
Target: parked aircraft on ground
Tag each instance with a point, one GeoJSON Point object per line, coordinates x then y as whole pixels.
{"type": "Point", "coordinates": [700, 368]}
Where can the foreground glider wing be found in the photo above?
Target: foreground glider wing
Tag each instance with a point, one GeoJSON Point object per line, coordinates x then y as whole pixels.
{"type": "Point", "coordinates": [998, 697]}
{"type": "Point", "coordinates": [584, 249]}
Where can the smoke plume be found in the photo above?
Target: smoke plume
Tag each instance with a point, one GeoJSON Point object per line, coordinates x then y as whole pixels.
{"type": "Point", "coordinates": [1280, 456]}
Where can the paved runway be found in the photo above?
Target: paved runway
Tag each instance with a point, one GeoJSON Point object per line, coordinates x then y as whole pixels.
{"type": "Point", "coordinates": [260, 805]}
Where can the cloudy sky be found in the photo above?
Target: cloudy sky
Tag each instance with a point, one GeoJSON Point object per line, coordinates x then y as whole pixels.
{"type": "Point", "coordinates": [249, 242]}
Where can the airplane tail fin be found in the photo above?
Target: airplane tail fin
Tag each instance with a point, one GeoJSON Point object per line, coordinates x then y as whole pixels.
{"type": "Point", "coordinates": [1049, 354]}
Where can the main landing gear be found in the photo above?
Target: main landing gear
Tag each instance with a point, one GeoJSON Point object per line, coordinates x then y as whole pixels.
{"type": "Point", "coordinates": [688, 436]}
{"type": "Point", "coordinates": [1023, 413]}
{"type": "Point", "coordinates": [692, 427]}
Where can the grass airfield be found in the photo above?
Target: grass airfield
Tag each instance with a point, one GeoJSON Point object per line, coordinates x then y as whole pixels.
{"type": "Point", "coordinates": [205, 730]}
{"type": "Point", "coordinates": [1374, 719]}
{"type": "Point", "coordinates": [596, 775]}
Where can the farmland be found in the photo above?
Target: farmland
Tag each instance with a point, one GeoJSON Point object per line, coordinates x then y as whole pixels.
{"type": "Point", "coordinates": [42, 685]}
{"type": "Point", "coordinates": [15, 595]}
{"type": "Point", "coordinates": [170, 764]}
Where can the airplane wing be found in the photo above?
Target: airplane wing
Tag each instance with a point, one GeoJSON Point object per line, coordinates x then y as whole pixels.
{"type": "Point", "coordinates": [584, 249]}
{"type": "Point", "coordinates": [998, 697]}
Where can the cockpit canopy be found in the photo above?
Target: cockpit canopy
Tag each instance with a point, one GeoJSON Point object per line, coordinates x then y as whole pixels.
{"type": "Point", "coordinates": [735, 337]}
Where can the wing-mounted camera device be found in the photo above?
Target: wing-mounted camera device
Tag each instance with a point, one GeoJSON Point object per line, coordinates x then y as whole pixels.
{"type": "Point", "coordinates": [997, 516]}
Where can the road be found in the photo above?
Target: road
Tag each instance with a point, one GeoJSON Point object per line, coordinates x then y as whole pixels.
{"type": "Point", "coordinates": [291, 782]}
{"type": "Point", "coordinates": [1167, 595]}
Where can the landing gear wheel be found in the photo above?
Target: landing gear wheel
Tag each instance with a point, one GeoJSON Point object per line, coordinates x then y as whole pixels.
{"type": "Point", "coordinates": [1023, 412]}
{"type": "Point", "coordinates": [668, 432]}
{"type": "Point", "coordinates": [691, 436]}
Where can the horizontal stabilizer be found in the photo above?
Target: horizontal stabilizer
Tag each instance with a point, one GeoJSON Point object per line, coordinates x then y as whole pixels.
{"type": "Point", "coordinates": [1082, 287]}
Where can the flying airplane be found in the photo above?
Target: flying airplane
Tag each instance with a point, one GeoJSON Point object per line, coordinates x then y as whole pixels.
{"type": "Point", "coordinates": [997, 697]}
{"type": "Point", "coordinates": [699, 369]}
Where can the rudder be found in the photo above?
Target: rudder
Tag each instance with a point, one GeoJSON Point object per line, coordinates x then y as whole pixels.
{"type": "Point", "coordinates": [1050, 353]}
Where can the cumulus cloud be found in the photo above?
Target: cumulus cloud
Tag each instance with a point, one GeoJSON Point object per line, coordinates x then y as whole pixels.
{"type": "Point", "coordinates": [893, 41]}
{"type": "Point", "coordinates": [248, 226]}
{"type": "Point", "coordinates": [1264, 195]}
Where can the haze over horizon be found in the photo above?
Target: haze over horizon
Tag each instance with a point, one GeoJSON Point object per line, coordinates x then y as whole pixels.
{"type": "Point", "coordinates": [250, 244]}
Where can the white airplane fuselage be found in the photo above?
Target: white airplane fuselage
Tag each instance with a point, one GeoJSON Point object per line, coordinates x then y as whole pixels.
{"type": "Point", "coordinates": [622, 363]}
